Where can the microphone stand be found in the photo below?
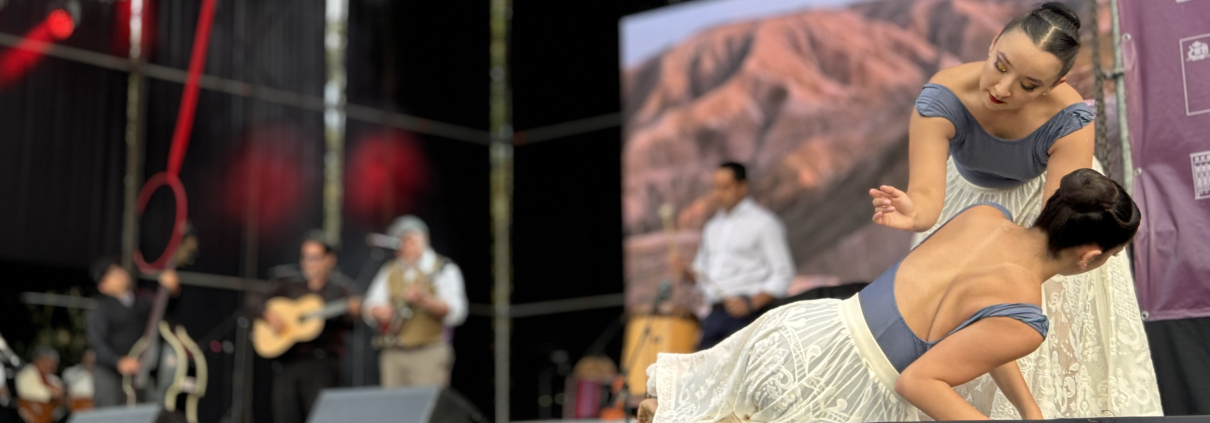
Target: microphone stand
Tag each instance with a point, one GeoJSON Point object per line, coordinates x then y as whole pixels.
{"type": "Point", "coordinates": [665, 291]}
{"type": "Point", "coordinates": [359, 336]}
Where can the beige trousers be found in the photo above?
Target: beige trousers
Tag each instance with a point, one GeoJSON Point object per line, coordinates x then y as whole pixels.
{"type": "Point", "coordinates": [424, 366]}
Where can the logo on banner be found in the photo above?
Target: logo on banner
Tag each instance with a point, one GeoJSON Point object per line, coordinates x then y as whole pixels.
{"type": "Point", "coordinates": [1201, 174]}
{"type": "Point", "coordinates": [1195, 73]}
{"type": "Point", "coordinates": [1198, 51]}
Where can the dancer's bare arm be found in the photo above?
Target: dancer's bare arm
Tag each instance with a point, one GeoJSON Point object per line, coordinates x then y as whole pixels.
{"type": "Point", "coordinates": [646, 413]}
{"type": "Point", "coordinates": [1012, 384]}
{"type": "Point", "coordinates": [1068, 154]}
{"type": "Point", "coordinates": [919, 208]}
{"type": "Point", "coordinates": [971, 352]}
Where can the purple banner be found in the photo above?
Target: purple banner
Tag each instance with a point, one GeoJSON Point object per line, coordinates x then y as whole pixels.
{"type": "Point", "coordinates": [1166, 50]}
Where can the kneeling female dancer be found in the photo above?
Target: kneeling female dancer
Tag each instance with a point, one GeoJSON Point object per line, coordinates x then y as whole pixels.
{"type": "Point", "coordinates": [965, 302]}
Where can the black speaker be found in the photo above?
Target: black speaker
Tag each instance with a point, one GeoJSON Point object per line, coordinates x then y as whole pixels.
{"type": "Point", "coordinates": [147, 413]}
{"type": "Point", "coordinates": [399, 405]}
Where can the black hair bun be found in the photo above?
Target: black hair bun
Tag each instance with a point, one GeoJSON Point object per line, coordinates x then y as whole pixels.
{"type": "Point", "coordinates": [1061, 10]}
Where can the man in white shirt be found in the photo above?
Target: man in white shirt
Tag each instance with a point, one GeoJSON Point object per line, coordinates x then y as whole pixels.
{"type": "Point", "coordinates": [415, 301]}
{"type": "Point", "coordinates": [743, 262]}
{"type": "Point", "coordinates": [79, 378]}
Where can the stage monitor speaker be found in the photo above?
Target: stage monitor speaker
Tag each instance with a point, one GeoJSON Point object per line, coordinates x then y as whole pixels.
{"type": "Point", "coordinates": [147, 413]}
{"type": "Point", "coordinates": [399, 405]}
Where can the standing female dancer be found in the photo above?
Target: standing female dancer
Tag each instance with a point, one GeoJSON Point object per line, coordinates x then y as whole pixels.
{"type": "Point", "coordinates": [962, 304]}
{"type": "Point", "coordinates": [1006, 131]}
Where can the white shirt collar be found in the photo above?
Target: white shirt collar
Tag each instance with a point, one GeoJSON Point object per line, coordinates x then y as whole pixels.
{"type": "Point", "coordinates": [739, 208]}
{"type": "Point", "coordinates": [427, 262]}
{"type": "Point", "coordinates": [126, 299]}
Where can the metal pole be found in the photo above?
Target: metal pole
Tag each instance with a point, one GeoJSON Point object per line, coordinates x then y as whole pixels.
{"type": "Point", "coordinates": [501, 152]}
{"type": "Point", "coordinates": [335, 41]}
{"type": "Point", "coordinates": [1101, 151]}
{"type": "Point", "coordinates": [134, 137]}
{"type": "Point", "coordinates": [1119, 78]}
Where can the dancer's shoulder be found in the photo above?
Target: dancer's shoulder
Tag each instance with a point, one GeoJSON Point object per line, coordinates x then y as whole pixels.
{"type": "Point", "coordinates": [958, 78]}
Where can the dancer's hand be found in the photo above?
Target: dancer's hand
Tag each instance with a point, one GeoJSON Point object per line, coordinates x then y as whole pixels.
{"type": "Point", "coordinates": [893, 208]}
{"type": "Point", "coordinates": [646, 411]}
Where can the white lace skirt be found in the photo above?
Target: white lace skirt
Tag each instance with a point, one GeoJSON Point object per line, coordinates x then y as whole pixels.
{"type": "Point", "coordinates": [1096, 361]}
{"type": "Point", "coordinates": [810, 361]}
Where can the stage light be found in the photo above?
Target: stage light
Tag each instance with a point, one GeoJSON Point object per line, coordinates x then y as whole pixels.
{"type": "Point", "coordinates": [62, 18]}
{"type": "Point", "coordinates": [60, 24]}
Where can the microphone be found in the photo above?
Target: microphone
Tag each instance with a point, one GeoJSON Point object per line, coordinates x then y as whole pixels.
{"type": "Point", "coordinates": [382, 241]}
{"type": "Point", "coordinates": [285, 271]}
{"type": "Point", "coordinates": [6, 353]}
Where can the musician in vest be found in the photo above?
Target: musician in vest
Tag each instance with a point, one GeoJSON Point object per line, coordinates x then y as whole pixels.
{"type": "Point", "coordinates": [116, 324]}
{"type": "Point", "coordinates": [312, 366]}
{"type": "Point", "coordinates": [415, 301]}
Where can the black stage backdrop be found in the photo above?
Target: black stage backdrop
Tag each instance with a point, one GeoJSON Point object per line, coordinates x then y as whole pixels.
{"type": "Point", "coordinates": [253, 170]}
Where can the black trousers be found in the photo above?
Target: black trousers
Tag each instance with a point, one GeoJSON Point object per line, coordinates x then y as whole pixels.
{"type": "Point", "coordinates": [296, 387]}
{"type": "Point", "coordinates": [719, 325]}
{"type": "Point", "coordinates": [107, 389]}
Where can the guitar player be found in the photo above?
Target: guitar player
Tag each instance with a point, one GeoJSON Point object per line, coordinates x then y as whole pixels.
{"type": "Point", "coordinates": [116, 324]}
{"type": "Point", "coordinates": [308, 367]}
{"type": "Point", "coordinates": [39, 387]}
{"type": "Point", "coordinates": [415, 300]}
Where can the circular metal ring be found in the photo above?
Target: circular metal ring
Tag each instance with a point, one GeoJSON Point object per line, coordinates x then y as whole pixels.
{"type": "Point", "coordinates": [178, 228]}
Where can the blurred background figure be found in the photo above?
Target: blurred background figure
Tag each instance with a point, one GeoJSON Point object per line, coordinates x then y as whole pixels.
{"type": "Point", "coordinates": [79, 382]}
{"type": "Point", "coordinates": [39, 390]}
{"type": "Point", "coordinates": [8, 411]}
{"type": "Point", "coordinates": [426, 291]}
{"type": "Point", "coordinates": [313, 365]}
{"type": "Point", "coordinates": [743, 263]}
{"type": "Point", "coordinates": [115, 325]}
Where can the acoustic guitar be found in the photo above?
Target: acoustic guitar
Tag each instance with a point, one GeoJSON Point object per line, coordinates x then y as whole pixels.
{"type": "Point", "coordinates": [302, 320]}
{"type": "Point", "coordinates": [38, 412]}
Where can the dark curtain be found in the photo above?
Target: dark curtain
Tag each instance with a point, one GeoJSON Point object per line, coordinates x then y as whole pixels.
{"type": "Point", "coordinates": [1181, 356]}
{"type": "Point", "coordinates": [62, 151]}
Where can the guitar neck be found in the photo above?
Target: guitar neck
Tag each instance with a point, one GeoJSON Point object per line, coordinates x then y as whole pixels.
{"type": "Point", "coordinates": [330, 310]}
{"type": "Point", "coordinates": [151, 333]}
{"type": "Point", "coordinates": [158, 307]}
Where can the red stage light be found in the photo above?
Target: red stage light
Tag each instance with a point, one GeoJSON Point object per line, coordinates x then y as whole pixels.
{"type": "Point", "coordinates": [17, 61]}
{"type": "Point", "coordinates": [387, 175]}
{"type": "Point", "coordinates": [60, 24]}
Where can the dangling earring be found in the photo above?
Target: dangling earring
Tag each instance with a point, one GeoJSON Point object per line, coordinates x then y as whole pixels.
{"type": "Point", "coordinates": [1081, 264]}
{"type": "Point", "coordinates": [1045, 93]}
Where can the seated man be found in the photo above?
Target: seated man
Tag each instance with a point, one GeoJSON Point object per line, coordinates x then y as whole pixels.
{"type": "Point", "coordinates": [38, 389]}
{"type": "Point", "coordinates": [78, 379]}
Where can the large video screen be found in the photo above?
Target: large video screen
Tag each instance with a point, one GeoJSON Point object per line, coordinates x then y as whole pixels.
{"type": "Point", "coordinates": [813, 96]}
